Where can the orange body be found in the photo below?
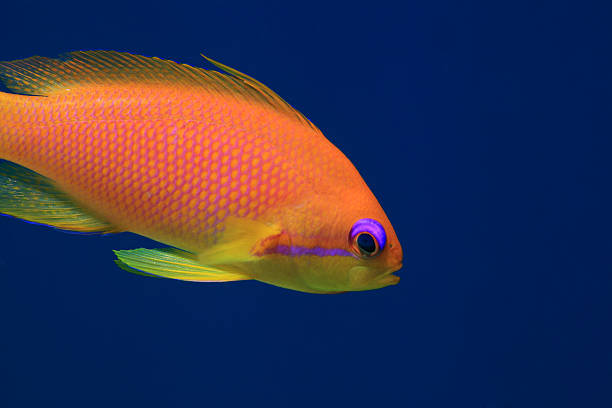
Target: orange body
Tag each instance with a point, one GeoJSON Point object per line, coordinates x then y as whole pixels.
{"type": "Point", "coordinates": [172, 160]}
{"type": "Point", "coordinates": [168, 163]}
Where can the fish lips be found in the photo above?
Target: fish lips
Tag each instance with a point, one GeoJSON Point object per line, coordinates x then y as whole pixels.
{"type": "Point", "coordinates": [389, 278]}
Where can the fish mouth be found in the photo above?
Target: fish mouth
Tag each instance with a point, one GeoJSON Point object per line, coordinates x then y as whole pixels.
{"type": "Point", "coordinates": [393, 269]}
{"type": "Point", "coordinates": [388, 278]}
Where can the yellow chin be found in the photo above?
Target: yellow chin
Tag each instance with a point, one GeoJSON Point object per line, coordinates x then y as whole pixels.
{"type": "Point", "coordinates": [388, 280]}
{"type": "Point", "coordinates": [364, 278]}
{"type": "Point", "coordinates": [315, 274]}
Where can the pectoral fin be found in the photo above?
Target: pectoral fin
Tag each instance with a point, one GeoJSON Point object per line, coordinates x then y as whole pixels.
{"type": "Point", "coordinates": [240, 241]}
{"type": "Point", "coordinates": [172, 263]}
{"type": "Point", "coordinates": [32, 197]}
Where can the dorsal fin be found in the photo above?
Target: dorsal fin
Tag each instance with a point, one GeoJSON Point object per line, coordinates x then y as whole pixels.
{"type": "Point", "coordinates": [47, 76]}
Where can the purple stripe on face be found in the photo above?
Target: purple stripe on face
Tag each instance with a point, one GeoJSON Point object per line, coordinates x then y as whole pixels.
{"type": "Point", "coordinates": [299, 251]}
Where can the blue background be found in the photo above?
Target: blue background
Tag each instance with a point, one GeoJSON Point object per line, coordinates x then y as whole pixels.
{"type": "Point", "coordinates": [484, 130]}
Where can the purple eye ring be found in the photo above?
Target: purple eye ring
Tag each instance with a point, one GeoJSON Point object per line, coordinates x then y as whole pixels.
{"type": "Point", "coordinates": [367, 237]}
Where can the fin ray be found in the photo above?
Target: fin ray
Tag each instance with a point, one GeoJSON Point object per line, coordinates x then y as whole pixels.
{"type": "Point", "coordinates": [47, 76]}
{"type": "Point", "coordinates": [172, 263]}
{"type": "Point", "coordinates": [32, 197]}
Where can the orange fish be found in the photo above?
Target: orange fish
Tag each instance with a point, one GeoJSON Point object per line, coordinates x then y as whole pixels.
{"type": "Point", "coordinates": [238, 183]}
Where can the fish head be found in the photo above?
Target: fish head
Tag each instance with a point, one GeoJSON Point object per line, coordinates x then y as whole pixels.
{"type": "Point", "coordinates": [333, 244]}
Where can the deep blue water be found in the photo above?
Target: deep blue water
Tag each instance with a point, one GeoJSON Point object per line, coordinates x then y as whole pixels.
{"type": "Point", "coordinates": [484, 130]}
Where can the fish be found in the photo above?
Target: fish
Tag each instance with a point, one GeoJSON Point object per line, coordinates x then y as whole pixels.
{"type": "Point", "coordinates": [232, 181]}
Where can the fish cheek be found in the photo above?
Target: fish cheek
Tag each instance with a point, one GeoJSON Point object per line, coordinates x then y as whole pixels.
{"type": "Point", "coordinates": [280, 270]}
{"type": "Point", "coordinates": [361, 277]}
{"type": "Point", "coordinates": [328, 273]}
{"type": "Point", "coordinates": [307, 273]}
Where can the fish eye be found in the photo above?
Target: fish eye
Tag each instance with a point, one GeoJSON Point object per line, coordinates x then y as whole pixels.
{"type": "Point", "coordinates": [367, 238]}
{"type": "Point", "coordinates": [366, 244]}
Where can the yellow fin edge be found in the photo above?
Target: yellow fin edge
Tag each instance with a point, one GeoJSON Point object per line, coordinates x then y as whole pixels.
{"type": "Point", "coordinates": [173, 263]}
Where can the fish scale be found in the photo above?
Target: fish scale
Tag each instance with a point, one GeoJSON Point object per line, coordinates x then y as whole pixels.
{"type": "Point", "coordinates": [217, 166]}
{"type": "Point", "coordinates": [240, 166]}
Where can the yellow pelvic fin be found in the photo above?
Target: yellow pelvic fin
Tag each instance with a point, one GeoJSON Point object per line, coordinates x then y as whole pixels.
{"type": "Point", "coordinates": [27, 195]}
{"type": "Point", "coordinates": [239, 242]}
{"type": "Point", "coordinates": [172, 263]}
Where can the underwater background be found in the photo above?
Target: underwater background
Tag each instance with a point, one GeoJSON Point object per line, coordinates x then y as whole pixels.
{"type": "Point", "coordinates": [483, 128]}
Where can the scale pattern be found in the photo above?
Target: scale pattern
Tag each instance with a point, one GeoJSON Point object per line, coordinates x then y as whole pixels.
{"type": "Point", "coordinates": [167, 162]}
